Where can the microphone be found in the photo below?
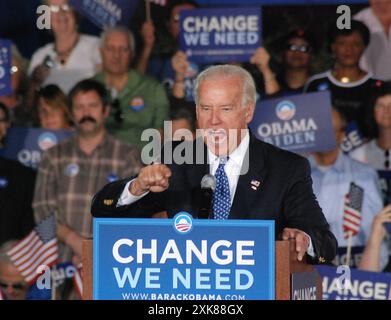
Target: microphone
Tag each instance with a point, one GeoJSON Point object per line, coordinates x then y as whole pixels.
{"type": "Point", "coordinates": [208, 186]}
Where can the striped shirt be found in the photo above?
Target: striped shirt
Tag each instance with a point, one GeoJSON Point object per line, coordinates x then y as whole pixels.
{"type": "Point", "coordinates": [68, 179]}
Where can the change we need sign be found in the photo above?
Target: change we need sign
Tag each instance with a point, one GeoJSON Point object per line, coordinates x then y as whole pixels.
{"type": "Point", "coordinates": [220, 35]}
{"type": "Point", "coordinates": [183, 259]}
{"type": "Point", "coordinates": [343, 283]}
{"type": "Point", "coordinates": [300, 123]}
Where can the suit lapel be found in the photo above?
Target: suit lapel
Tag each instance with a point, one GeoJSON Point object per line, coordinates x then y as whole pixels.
{"type": "Point", "coordinates": [251, 182]}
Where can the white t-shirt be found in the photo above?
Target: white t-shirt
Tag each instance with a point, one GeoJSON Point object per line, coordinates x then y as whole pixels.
{"type": "Point", "coordinates": [376, 58]}
{"type": "Point", "coordinates": [81, 64]}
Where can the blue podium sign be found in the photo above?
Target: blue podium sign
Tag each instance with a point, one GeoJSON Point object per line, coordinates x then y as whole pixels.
{"type": "Point", "coordinates": [183, 259]}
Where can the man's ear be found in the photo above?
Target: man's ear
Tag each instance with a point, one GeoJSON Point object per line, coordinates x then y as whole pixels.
{"type": "Point", "coordinates": [250, 111]}
{"type": "Point", "coordinates": [106, 111]}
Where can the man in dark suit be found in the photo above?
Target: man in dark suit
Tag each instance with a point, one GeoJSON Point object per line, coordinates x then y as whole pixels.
{"type": "Point", "coordinates": [254, 180]}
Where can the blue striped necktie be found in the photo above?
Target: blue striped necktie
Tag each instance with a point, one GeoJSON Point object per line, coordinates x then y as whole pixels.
{"type": "Point", "coordinates": [221, 196]}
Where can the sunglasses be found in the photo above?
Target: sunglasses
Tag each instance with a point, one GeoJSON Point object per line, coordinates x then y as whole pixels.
{"type": "Point", "coordinates": [118, 114]}
{"type": "Point", "coordinates": [298, 48]}
{"type": "Point", "coordinates": [16, 286]}
{"type": "Point", "coordinates": [387, 161]}
{"type": "Point", "coordinates": [57, 8]}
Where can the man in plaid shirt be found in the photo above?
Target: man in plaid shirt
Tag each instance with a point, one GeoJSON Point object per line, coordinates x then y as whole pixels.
{"type": "Point", "coordinates": [71, 172]}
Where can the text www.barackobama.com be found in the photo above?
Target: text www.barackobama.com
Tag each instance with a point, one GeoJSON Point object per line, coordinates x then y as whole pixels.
{"type": "Point", "coordinates": [180, 296]}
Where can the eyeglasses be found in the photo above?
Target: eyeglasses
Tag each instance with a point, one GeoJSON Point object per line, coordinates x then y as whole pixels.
{"type": "Point", "coordinates": [387, 161]}
{"type": "Point", "coordinates": [16, 286]}
{"type": "Point", "coordinates": [57, 8]}
{"type": "Point", "coordinates": [118, 114]}
{"type": "Point", "coordinates": [298, 48]}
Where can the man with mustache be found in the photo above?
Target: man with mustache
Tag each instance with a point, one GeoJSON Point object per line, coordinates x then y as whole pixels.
{"type": "Point", "coordinates": [70, 172]}
{"type": "Point", "coordinates": [254, 180]}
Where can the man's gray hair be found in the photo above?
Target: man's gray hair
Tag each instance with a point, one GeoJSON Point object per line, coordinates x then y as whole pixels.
{"type": "Point", "coordinates": [228, 71]}
{"type": "Point", "coordinates": [4, 248]}
{"type": "Point", "coordinates": [121, 29]}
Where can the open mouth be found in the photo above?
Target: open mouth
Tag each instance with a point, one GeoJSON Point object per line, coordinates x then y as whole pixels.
{"type": "Point", "coordinates": [216, 136]}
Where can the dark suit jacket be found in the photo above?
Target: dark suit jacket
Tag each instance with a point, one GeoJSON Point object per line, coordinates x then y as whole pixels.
{"type": "Point", "coordinates": [16, 195]}
{"type": "Point", "coordinates": [284, 195]}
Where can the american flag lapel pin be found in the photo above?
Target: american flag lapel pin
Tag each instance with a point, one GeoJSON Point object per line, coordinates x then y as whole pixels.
{"type": "Point", "coordinates": [255, 184]}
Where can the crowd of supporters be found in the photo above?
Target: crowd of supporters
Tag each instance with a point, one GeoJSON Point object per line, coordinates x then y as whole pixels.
{"type": "Point", "coordinates": [106, 93]}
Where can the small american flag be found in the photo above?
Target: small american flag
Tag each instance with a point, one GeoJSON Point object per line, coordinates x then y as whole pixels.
{"type": "Point", "coordinates": [159, 2]}
{"type": "Point", "coordinates": [38, 248]}
{"type": "Point", "coordinates": [352, 210]}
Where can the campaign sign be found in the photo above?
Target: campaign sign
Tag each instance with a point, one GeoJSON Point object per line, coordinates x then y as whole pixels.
{"type": "Point", "coordinates": [220, 35]}
{"type": "Point", "coordinates": [26, 145]}
{"type": "Point", "coordinates": [355, 256]}
{"type": "Point", "coordinates": [344, 283]}
{"type": "Point", "coordinates": [106, 13]}
{"type": "Point", "coordinates": [303, 285]}
{"type": "Point", "coordinates": [183, 259]}
{"type": "Point", "coordinates": [353, 137]}
{"type": "Point", "coordinates": [300, 123]}
{"type": "Point", "coordinates": [5, 67]}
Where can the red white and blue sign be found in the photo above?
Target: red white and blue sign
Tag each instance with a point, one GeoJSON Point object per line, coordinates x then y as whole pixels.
{"type": "Point", "coordinates": [300, 123]}
{"type": "Point", "coordinates": [183, 259]}
{"type": "Point", "coordinates": [26, 145]}
{"type": "Point", "coordinates": [220, 35]}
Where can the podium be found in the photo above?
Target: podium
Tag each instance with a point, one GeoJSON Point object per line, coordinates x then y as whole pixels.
{"type": "Point", "coordinates": [286, 264]}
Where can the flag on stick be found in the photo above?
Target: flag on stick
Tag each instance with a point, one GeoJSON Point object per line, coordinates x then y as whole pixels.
{"type": "Point", "coordinates": [38, 248]}
{"type": "Point", "coordinates": [352, 216]}
{"type": "Point", "coordinates": [352, 211]}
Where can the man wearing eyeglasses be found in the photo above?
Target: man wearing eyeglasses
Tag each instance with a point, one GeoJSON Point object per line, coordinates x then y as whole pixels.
{"type": "Point", "coordinates": [12, 284]}
{"type": "Point", "coordinates": [138, 102]}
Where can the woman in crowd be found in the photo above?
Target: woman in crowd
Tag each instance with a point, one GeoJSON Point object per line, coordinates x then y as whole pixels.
{"type": "Point", "coordinates": [70, 58]}
{"type": "Point", "coordinates": [53, 112]}
{"type": "Point", "coordinates": [296, 48]}
{"type": "Point", "coordinates": [376, 152]}
{"type": "Point", "coordinates": [349, 85]}
{"type": "Point", "coordinates": [370, 259]}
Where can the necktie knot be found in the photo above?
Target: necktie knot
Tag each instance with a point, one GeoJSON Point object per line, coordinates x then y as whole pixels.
{"type": "Point", "coordinates": [223, 161]}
